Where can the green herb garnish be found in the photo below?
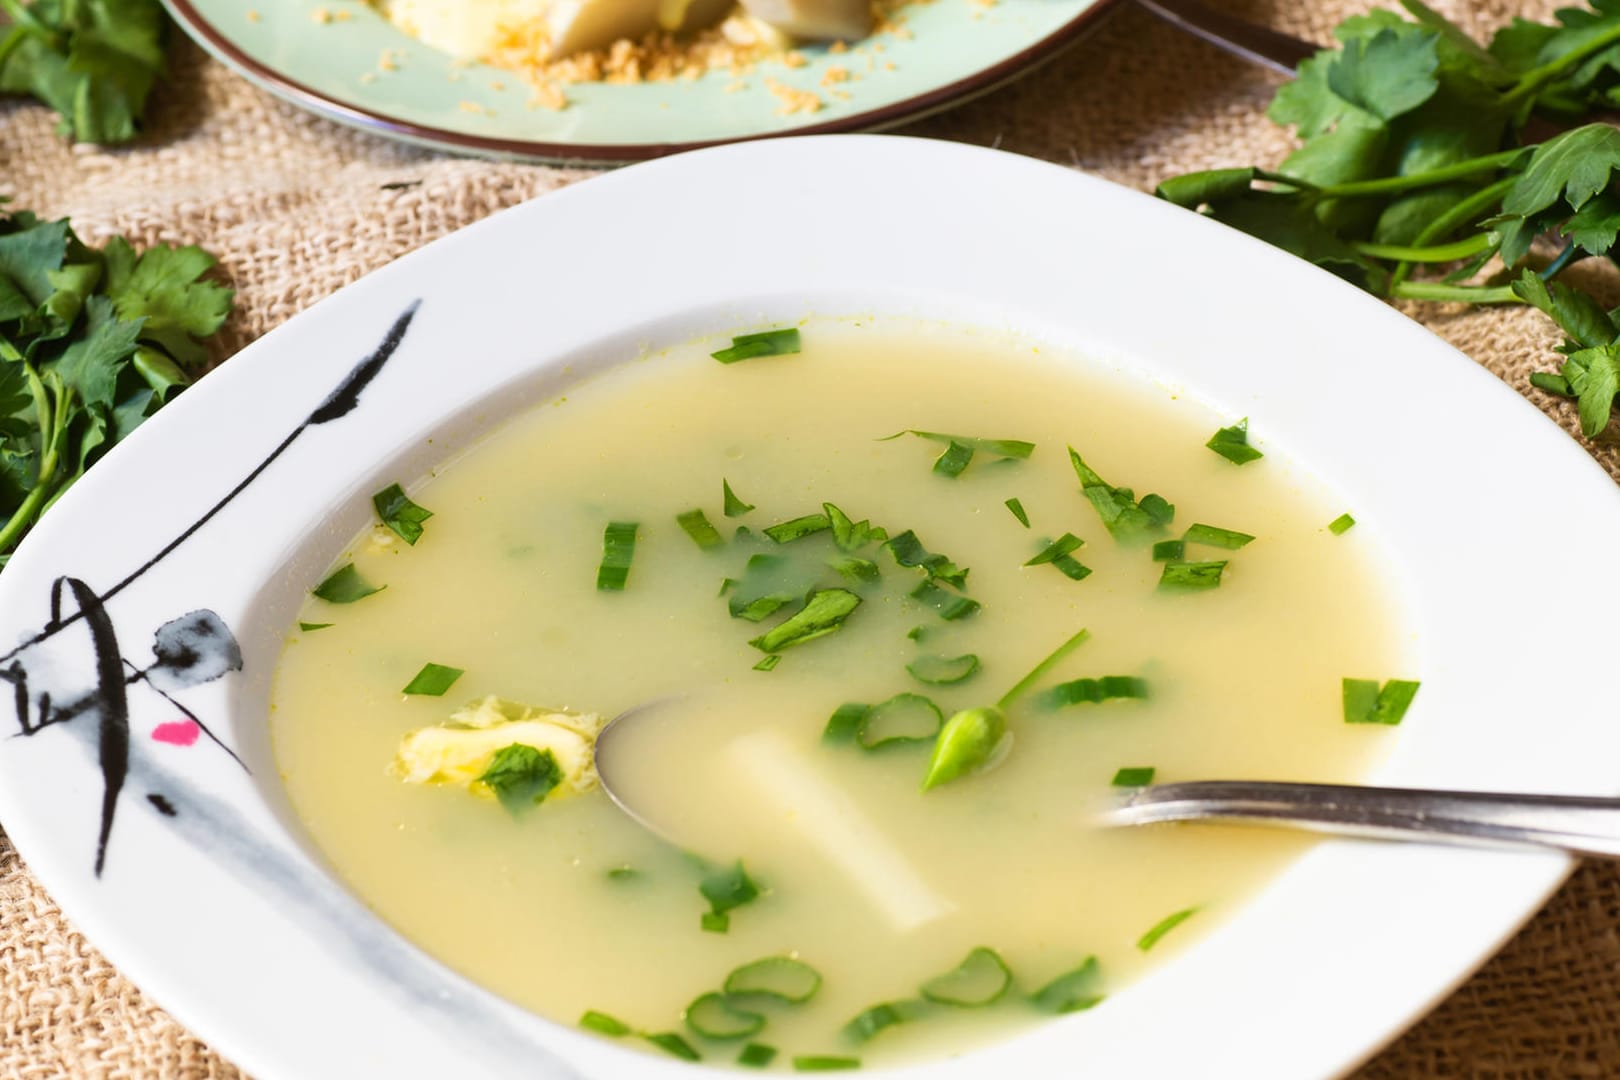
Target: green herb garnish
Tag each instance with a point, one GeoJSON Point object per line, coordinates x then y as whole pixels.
{"type": "Point", "coordinates": [433, 680]}
{"type": "Point", "coordinates": [823, 613]}
{"type": "Point", "coordinates": [1017, 509]}
{"type": "Point", "coordinates": [1366, 703]}
{"type": "Point", "coordinates": [726, 890]}
{"type": "Point", "coordinates": [618, 549]}
{"type": "Point", "coordinates": [521, 776]}
{"type": "Point", "coordinates": [623, 873]}
{"type": "Point", "coordinates": [870, 1022]}
{"type": "Point", "coordinates": [1341, 524]}
{"type": "Point", "coordinates": [948, 605]}
{"type": "Point", "coordinates": [1057, 554]}
{"type": "Point", "coordinates": [1232, 443]}
{"type": "Point", "coordinates": [716, 1016]}
{"type": "Point", "coordinates": [735, 507]}
{"type": "Point", "coordinates": [756, 1056]}
{"type": "Point", "coordinates": [788, 531]}
{"type": "Point", "coordinates": [856, 570]}
{"type": "Point", "coordinates": [1191, 575]}
{"type": "Point", "coordinates": [943, 670]}
{"type": "Point", "coordinates": [603, 1024]}
{"type": "Point", "coordinates": [959, 449]}
{"type": "Point", "coordinates": [815, 1063]}
{"type": "Point", "coordinates": [783, 978]}
{"type": "Point", "coordinates": [311, 627]}
{"type": "Point", "coordinates": [696, 525]}
{"type": "Point", "coordinates": [908, 551]}
{"type": "Point", "coordinates": [1094, 691]}
{"type": "Point", "coordinates": [768, 663]}
{"type": "Point", "coordinates": [967, 743]}
{"type": "Point", "coordinates": [1140, 776]}
{"type": "Point", "coordinates": [673, 1044]}
{"type": "Point", "coordinates": [1125, 518]}
{"type": "Point", "coordinates": [764, 343]}
{"type": "Point", "coordinates": [1215, 537]}
{"type": "Point", "coordinates": [1072, 991]}
{"type": "Point", "coordinates": [93, 62]}
{"type": "Point", "coordinates": [981, 979]}
{"type": "Point", "coordinates": [1170, 551]}
{"type": "Point", "coordinates": [763, 590]}
{"type": "Point", "coordinates": [400, 514]}
{"type": "Point", "coordinates": [844, 726]}
{"type": "Point", "coordinates": [1163, 927]}
{"type": "Point", "coordinates": [851, 535]}
{"type": "Point", "coordinates": [1022, 686]}
{"type": "Point", "coordinates": [345, 586]}
{"type": "Point", "coordinates": [904, 718]}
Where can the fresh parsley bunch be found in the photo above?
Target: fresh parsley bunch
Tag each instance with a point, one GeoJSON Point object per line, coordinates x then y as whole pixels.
{"type": "Point", "coordinates": [92, 342]}
{"type": "Point", "coordinates": [93, 61]}
{"type": "Point", "coordinates": [1418, 154]}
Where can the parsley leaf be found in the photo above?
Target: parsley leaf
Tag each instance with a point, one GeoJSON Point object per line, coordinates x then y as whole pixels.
{"type": "Point", "coordinates": [521, 776]}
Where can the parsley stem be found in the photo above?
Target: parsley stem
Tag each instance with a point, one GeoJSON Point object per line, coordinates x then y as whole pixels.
{"type": "Point", "coordinates": [1438, 253]}
{"type": "Point", "coordinates": [52, 428]}
{"type": "Point", "coordinates": [1570, 254]}
{"type": "Point", "coordinates": [1023, 685]}
{"type": "Point", "coordinates": [1536, 78]}
{"type": "Point", "coordinates": [1466, 212]}
{"type": "Point", "coordinates": [1461, 294]}
{"type": "Point", "coordinates": [1462, 170]}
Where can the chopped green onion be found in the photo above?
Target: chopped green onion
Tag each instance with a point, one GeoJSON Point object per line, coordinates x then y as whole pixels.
{"type": "Point", "coordinates": [917, 633]}
{"type": "Point", "coordinates": [768, 663]}
{"type": "Point", "coordinates": [1017, 509]}
{"type": "Point", "coordinates": [856, 570]}
{"type": "Point", "coordinates": [1365, 703]}
{"type": "Point", "coordinates": [1169, 551]}
{"type": "Point", "coordinates": [846, 722]}
{"type": "Point", "coordinates": [1061, 546]}
{"type": "Point", "coordinates": [726, 585]}
{"type": "Point", "coordinates": [1021, 687]}
{"type": "Point", "coordinates": [1140, 776]}
{"type": "Point", "coordinates": [714, 923]}
{"type": "Point", "coordinates": [943, 670]}
{"type": "Point", "coordinates": [1004, 448]}
{"type": "Point", "coordinates": [823, 613]}
{"type": "Point", "coordinates": [756, 1056]}
{"type": "Point", "coordinates": [671, 1043]}
{"type": "Point", "coordinates": [1232, 443]}
{"type": "Point", "coordinates": [764, 343]}
{"type": "Point", "coordinates": [983, 978]}
{"type": "Point", "coordinates": [618, 548]}
{"type": "Point", "coordinates": [815, 1063]}
{"type": "Point", "coordinates": [725, 890]}
{"type": "Point", "coordinates": [623, 873]}
{"type": "Point", "coordinates": [967, 743]}
{"type": "Point", "coordinates": [788, 531]}
{"type": "Point", "coordinates": [714, 1016]}
{"type": "Point", "coordinates": [735, 507]}
{"type": "Point", "coordinates": [1191, 575]}
{"type": "Point", "coordinates": [1215, 537]}
{"type": "Point", "coordinates": [849, 534]}
{"type": "Point", "coordinates": [1341, 524]}
{"type": "Point", "coordinates": [1072, 991]}
{"type": "Point", "coordinates": [1123, 517]}
{"type": "Point", "coordinates": [954, 461]}
{"type": "Point", "coordinates": [908, 551]}
{"type": "Point", "coordinates": [781, 977]}
{"type": "Point", "coordinates": [904, 718]}
{"type": "Point", "coordinates": [603, 1024]}
{"type": "Point", "coordinates": [947, 605]}
{"type": "Point", "coordinates": [761, 592]}
{"type": "Point", "coordinates": [1094, 691]}
{"type": "Point", "coordinates": [433, 680]}
{"type": "Point", "coordinates": [696, 524]}
{"type": "Point", "coordinates": [870, 1022]}
{"type": "Point", "coordinates": [399, 513]}
{"type": "Point", "coordinates": [345, 586]}
{"type": "Point", "coordinates": [1163, 927]}
{"type": "Point", "coordinates": [521, 776]}
{"type": "Point", "coordinates": [311, 627]}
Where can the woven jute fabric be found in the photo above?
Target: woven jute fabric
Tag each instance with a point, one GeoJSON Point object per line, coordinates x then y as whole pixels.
{"type": "Point", "coordinates": [296, 207]}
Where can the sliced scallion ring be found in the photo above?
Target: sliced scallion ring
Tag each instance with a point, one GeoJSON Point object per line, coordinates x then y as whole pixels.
{"type": "Point", "coordinates": [780, 977]}
{"type": "Point", "coordinates": [981, 979]}
{"type": "Point", "coordinates": [717, 1016]}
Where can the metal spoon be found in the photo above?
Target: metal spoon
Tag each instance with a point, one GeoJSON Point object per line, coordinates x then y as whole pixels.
{"type": "Point", "coordinates": [1580, 825]}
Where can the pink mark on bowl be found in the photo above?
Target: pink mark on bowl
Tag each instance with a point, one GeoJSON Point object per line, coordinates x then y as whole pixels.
{"type": "Point", "coordinates": [177, 733]}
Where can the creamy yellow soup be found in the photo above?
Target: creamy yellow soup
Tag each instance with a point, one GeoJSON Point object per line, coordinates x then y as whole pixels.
{"type": "Point", "coordinates": [570, 906]}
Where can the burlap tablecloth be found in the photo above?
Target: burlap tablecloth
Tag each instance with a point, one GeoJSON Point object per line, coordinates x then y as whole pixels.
{"type": "Point", "coordinates": [296, 207]}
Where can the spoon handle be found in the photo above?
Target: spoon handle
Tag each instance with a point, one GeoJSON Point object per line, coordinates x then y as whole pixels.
{"type": "Point", "coordinates": [1577, 824]}
{"type": "Point", "coordinates": [1258, 44]}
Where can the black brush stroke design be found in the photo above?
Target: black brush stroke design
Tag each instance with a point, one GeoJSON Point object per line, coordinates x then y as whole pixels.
{"type": "Point", "coordinates": [191, 650]}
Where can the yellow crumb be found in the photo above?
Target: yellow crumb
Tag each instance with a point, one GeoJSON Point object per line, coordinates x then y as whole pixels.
{"type": "Point", "coordinates": [497, 86]}
{"type": "Point", "coordinates": [321, 15]}
{"type": "Point", "coordinates": [794, 59]}
{"type": "Point", "coordinates": [474, 107]}
{"type": "Point", "coordinates": [548, 96]}
{"type": "Point", "coordinates": [735, 86]}
{"type": "Point", "coordinates": [368, 77]}
{"type": "Point", "coordinates": [794, 101]}
{"type": "Point", "coordinates": [252, 16]}
{"type": "Point", "coordinates": [888, 65]}
{"type": "Point", "coordinates": [838, 47]}
{"type": "Point", "coordinates": [835, 74]}
{"type": "Point", "coordinates": [341, 16]}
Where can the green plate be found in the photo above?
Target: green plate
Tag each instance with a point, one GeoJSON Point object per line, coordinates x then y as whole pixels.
{"type": "Point", "coordinates": [949, 50]}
